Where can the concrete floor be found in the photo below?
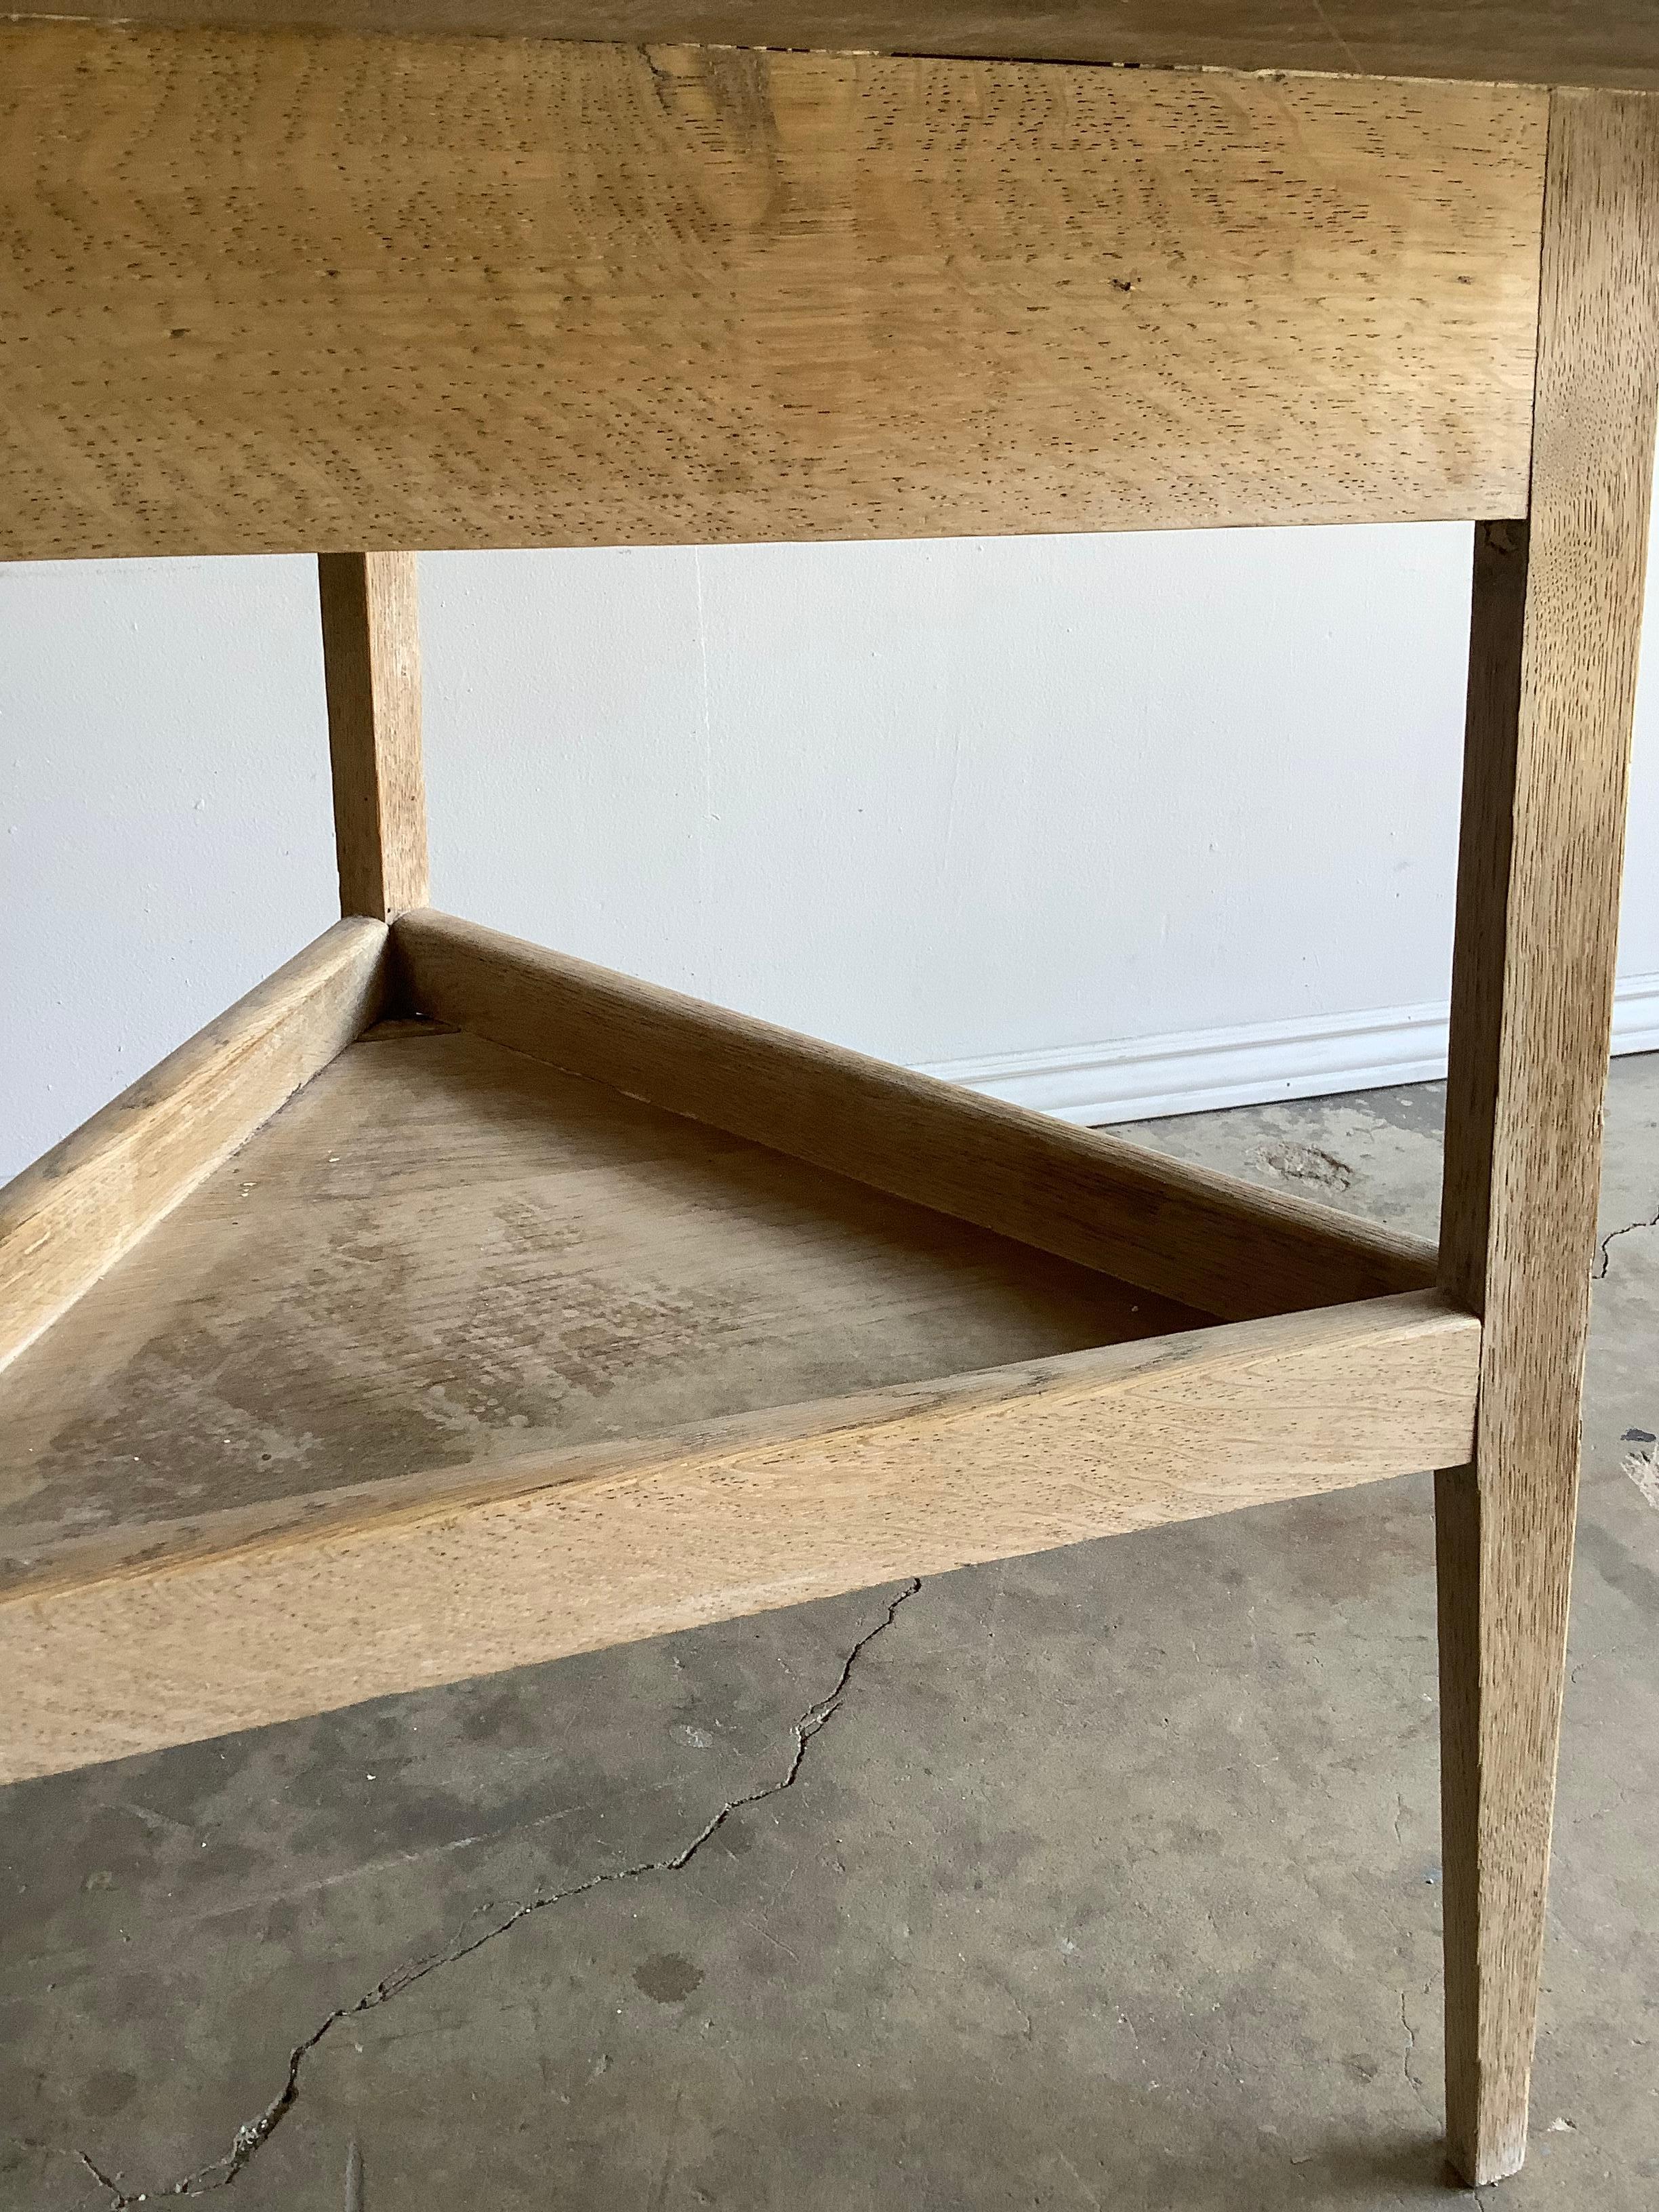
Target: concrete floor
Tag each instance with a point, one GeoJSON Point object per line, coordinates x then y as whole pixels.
{"type": "Point", "coordinates": [1103, 1879]}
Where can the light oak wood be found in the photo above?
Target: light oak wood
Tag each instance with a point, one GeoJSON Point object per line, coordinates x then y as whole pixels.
{"type": "Point", "coordinates": [66, 1219]}
{"type": "Point", "coordinates": [1557, 623]}
{"type": "Point", "coordinates": [572, 1555]}
{"type": "Point", "coordinates": [372, 667]}
{"type": "Point", "coordinates": [464, 1362]}
{"type": "Point", "coordinates": [1614, 42]}
{"type": "Point", "coordinates": [441, 1256]}
{"type": "Point", "coordinates": [1181, 1232]}
{"type": "Point", "coordinates": [295, 291]}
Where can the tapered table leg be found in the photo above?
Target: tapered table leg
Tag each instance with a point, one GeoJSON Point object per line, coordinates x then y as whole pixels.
{"type": "Point", "coordinates": [1557, 618]}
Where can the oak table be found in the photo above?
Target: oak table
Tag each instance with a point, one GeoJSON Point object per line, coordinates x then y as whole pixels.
{"type": "Point", "coordinates": [451, 1304]}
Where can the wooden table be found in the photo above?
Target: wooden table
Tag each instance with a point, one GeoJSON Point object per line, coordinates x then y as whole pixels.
{"type": "Point", "coordinates": [451, 1304]}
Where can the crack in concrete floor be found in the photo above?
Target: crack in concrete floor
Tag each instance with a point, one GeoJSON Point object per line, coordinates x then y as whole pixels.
{"type": "Point", "coordinates": [253, 2135]}
{"type": "Point", "coordinates": [1630, 1229]}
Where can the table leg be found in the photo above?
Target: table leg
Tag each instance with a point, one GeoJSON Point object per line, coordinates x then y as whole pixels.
{"type": "Point", "coordinates": [1557, 616]}
{"type": "Point", "coordinates": [372, 665]}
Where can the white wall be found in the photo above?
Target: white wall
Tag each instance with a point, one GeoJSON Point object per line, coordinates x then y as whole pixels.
{"type": "Point", "coordinates": [979, 805]}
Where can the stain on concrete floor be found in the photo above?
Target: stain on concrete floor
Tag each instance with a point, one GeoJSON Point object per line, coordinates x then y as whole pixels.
{"type": "Point", "coordinates": [1107, 1878]}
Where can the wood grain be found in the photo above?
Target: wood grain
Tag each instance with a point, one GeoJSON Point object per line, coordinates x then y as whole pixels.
{"type": "Point", "coordinates": [567, 1558]}
{"type": "Point", "coordinates": [1557, 628]}
{"type": "Point", "coordinates": [1181, 1232]}
{"type": "Point", "coordinates": [1586, 42]}
{"type": "Point", "coordinates": [372, 667]}
{"type": "Point", "coordinates": [442, 1256]}
{"type": "Point", "coordinates": [294, 290]}
{"type": "Point", "coordinates": [70, 1217]}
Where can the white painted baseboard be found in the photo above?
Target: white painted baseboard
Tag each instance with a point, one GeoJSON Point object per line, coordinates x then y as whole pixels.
{"type": "Point", "coordinates": [1198, 1070]}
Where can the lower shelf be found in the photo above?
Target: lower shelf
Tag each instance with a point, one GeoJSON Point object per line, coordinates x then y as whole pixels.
{"type": "Point", "coordinates": [463, 1361]}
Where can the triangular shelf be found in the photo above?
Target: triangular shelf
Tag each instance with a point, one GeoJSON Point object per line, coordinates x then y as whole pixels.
{"type": "Point", "coordinates": [464, 1358]}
